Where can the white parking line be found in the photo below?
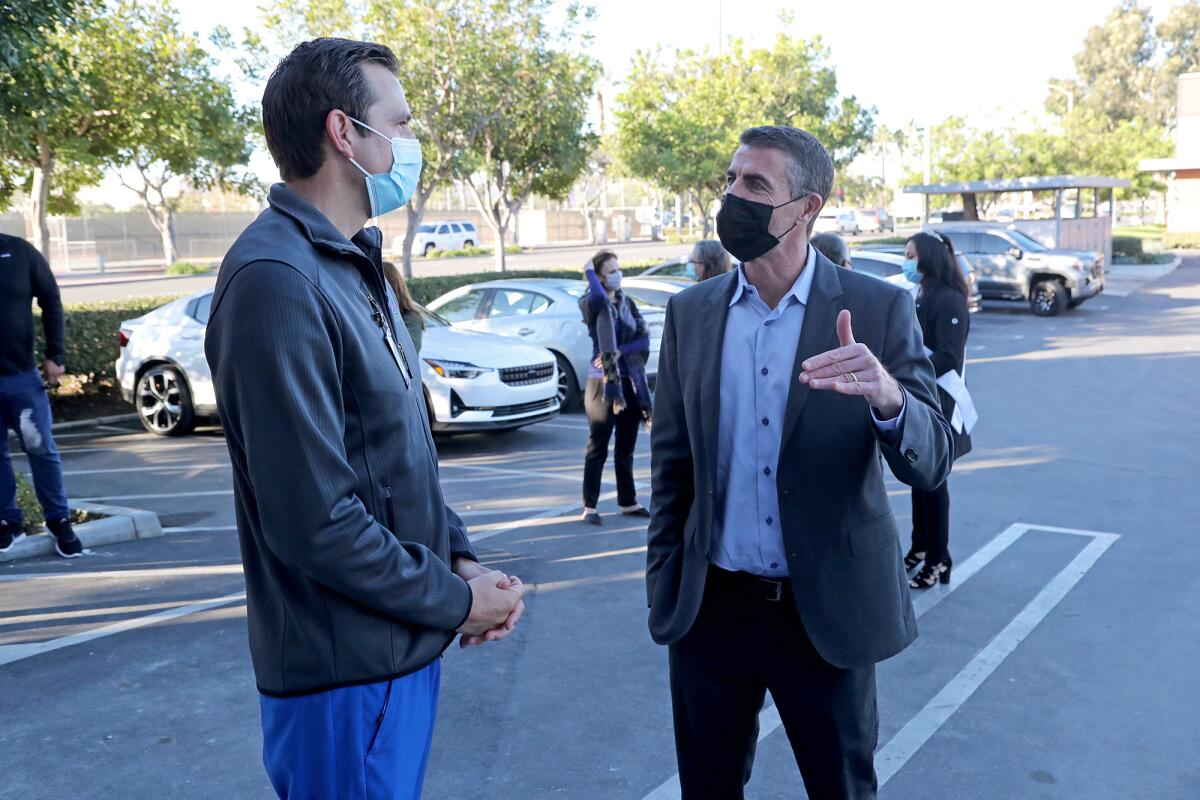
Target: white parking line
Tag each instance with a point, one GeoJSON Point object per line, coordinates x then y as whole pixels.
{"type": "Point", "coordinates": [162, 496]}
{"type": "Point", "coordinates": [132, 449]}
{"type": "Point", "coordinates": [128, 574]}
{"type": "Point", "coordinates": [160, 468]}
{"type": "Point", "coordinates": [901, 747]}
{"type": "Point", "coordinates": [15, 652]}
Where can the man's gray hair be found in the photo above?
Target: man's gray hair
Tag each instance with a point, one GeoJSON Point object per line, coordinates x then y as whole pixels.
{"type": "Point", "coordinates": [812, 168]}
{"type": "Point", "coordinates": [832, 246]}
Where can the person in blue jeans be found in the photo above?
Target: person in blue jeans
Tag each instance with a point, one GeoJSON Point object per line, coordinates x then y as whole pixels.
{"type": "Point", "coordinates": [24, 408]}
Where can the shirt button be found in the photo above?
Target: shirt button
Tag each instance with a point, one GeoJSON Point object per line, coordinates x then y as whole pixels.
{"type": "Point", "coordinates": [768, 323]}
{"type": "Point", "coordinates": [766, 470]}
{"type": "Point", "coordinates": [774, 565]}
{"type": "Point", "coordinates": [766, 421]}
{"type": "Point", "coordinates": [770, 520]}
{"type": "Point", "coordinates": [765, 370]}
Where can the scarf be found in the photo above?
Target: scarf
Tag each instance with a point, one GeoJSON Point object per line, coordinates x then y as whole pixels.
{"type": "Point", "coordinates": [611, 359]}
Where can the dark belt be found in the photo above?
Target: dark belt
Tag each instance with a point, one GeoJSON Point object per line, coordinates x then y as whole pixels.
{"type": "Point", "coordinates": [755, 587]}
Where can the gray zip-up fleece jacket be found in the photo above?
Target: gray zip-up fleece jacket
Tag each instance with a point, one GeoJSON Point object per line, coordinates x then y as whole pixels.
{"type": "Point", "coordinates": [346, 540]}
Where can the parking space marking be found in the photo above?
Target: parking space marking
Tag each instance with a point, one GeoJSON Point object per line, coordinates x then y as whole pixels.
{"type": "Point", "coordinates": [157, 572]}
{"type": "Point", "coordinates": [136, 449]}
{"type": "Point", "coordinates": [16, 652]}
{"type": "Point", "coordinates": [162, 496]}
{"type": "Point", "coordinates": [901, 747]}
{"type": "Point", "coordinates": [160, 468]}
{"type": "Point", "coordinates": [546, 517]}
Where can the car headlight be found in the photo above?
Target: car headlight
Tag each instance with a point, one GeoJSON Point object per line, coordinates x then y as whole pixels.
{"type": "Point", "coordinates": [456, 369]}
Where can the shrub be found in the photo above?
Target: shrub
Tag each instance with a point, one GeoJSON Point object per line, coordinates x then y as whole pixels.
{"type": "Point", "coordinates": [1182, 241]}
{"type": "Point", "coordinates": [189, 268]}
{"type": "Point", "coordinates": [27, 501]}
{"type": "Point", "coordinates": [1126, 246]}
{"type": "Point", "coordinates": [471, 251]}
{"type": "Point", "coordinates": [92, 343]}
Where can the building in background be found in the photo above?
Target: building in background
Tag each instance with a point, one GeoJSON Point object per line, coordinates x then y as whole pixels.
{"type": "Point", "coordinates": [1183, 171]}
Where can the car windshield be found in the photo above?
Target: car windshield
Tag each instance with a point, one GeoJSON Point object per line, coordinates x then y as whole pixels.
{"type": "Point", "coordinates": [427, 229]}
{"type": "Point", "coordinates": [432, 320]}
{"type": "Point", "coordinates": [575, 291]}
{"type": "Point", "coordinates": [1027, 242]}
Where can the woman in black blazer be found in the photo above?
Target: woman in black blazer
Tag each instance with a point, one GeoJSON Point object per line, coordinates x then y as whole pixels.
{"type": "Point", "coordinates": [945, 321]}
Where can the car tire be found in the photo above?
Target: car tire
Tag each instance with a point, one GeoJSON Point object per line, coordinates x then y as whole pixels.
{"type": "Point", "coordinates": [429, 248]}
{"type": "Point", "coordinates": [568, 386]}
{"type": "Point", "coordinates": [163, 401]}
{"type": "Point", "coordinates": [1048, 298]}
{"type": "Point", "coordinates": [468, 243]}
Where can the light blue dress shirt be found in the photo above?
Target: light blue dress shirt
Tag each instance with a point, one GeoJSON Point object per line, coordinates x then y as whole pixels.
{"type": "Point", "coordinates": [758, 354]}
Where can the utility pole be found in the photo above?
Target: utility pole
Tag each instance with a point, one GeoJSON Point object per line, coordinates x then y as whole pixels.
{"type": "Point", "coordinates": [1070, 94]}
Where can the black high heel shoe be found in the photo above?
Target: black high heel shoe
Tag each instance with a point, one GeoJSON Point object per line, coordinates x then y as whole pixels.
{"type": "Point", "coordinates": [912, 558]}
{"type": "Point", "coordinates": [931, 575]}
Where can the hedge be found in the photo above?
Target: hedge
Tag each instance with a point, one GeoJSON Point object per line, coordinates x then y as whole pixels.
{"type": "Point", "coordinates": [1126, 246]}
{"type": "Point", "coordinates": [467, 252]}
{"type": "Point", "coordinates": [93, 342]}
{"type": "Point", "coordinates": [1181, 241]}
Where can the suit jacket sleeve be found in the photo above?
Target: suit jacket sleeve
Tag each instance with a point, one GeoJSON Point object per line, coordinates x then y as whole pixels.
{"type": "Point", "coordinates": [671, 465]}
{"type": "Point", "coordinates": [277, 370]}
{"type": "Point", "coordinates": [460, 545]}
{"type": "Point", "coordinates": [921, 456]}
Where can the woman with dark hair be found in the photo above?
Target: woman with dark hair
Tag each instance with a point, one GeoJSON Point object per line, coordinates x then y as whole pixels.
{"type": "Point", "coordinates": [617, 393]}
{"type": "Point", "coordinates": [942, 311]}
{"type": "Point", "coordinates": [708, 260]}
{"type": "Point", "coordinates": [409, 311]}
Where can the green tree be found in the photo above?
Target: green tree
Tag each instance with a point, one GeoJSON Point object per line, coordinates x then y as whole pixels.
{"type": "Point", "coordinates": [185, 126]}
{"type": "Point", "coordinates": [679, 119]}
{"type": "Point", "coordinates": [540, 145]}
{"type": "Point", "coordinates": [456, 63]}
{"type": "Point", "coordinates": [1128, 66]}
{"type": "Point", "coordinates": [27, 26]}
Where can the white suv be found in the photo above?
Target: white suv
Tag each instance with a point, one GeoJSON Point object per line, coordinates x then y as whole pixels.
{"type": "Point", "coordinates": [451, 234]}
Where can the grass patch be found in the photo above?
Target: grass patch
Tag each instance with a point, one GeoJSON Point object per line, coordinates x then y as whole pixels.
{"type": "Point", "coordinates": [1141, 231]}
{"type": "Point", "coordinates": [1182, 241]}
{"type": "Point", "coordinates": [189, 268]}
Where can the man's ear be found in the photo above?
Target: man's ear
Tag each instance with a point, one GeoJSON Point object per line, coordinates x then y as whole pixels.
{"type": "Point", "coordinates": [338, 132]}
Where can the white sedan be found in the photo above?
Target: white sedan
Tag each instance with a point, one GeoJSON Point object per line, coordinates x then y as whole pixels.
{"type": "Point", "coordinates": [472, 381]}
{"type": "Point", "coordinates": [544, 312]}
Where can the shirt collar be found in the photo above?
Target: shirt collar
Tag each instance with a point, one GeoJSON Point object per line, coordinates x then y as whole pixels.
{"type": "Point", "coordinates": [800, 289]}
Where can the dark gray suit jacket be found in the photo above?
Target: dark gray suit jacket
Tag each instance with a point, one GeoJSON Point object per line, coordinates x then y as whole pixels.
{"type": "Point", "coordinates": [842, 545]}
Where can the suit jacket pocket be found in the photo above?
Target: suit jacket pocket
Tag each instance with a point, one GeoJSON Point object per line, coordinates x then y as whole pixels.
{"type": "Point", "coordinates": [874, 535]}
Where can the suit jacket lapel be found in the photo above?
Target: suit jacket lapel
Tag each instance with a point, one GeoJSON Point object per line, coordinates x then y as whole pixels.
{"type": "Point", "coordinates": [818, 334]}
{"type": "Point", "coordinates": [711, 340]}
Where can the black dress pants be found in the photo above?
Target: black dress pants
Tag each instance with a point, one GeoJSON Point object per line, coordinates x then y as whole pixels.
{"type": "Point", "coordinates": [931, 523]}
{"type": "Point", "coordinates": [601, 422]}
{"type": "Point", "coordinates": [742, 645]}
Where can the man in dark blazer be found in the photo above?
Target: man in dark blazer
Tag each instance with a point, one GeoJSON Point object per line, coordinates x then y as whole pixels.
{"type": "Point", "coordinates": [774, 562]}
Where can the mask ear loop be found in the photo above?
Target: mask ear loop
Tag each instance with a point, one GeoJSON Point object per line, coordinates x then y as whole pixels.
{"type": "Point", "coordinates": [779, 238]}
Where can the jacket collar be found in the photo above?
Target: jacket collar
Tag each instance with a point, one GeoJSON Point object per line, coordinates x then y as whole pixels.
{"type": "Point", "coordinates": [319, 230]}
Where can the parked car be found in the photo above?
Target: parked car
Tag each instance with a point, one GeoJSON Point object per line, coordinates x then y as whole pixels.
{"type": "Point", "coordinates": [655, 290]}
{"type": "Point", "coordinates": [676, 267]}
{"type": "Point", "coordinates": [1011, 265]}
{"type": "Point", "coordinates": [885, 264]}
{"type": "Point", "coordinates": [453, 234]}
{"type": "Point", "coordinates": [877, 220]}
{"type": "Point", "coordinates": [827, 221]}
{"type": "Point", "coordinates": [847, 222]}
{"type": "Point", "coordinates": [472, 381]}
{"type": "Point", "coordinates": [544, 312]}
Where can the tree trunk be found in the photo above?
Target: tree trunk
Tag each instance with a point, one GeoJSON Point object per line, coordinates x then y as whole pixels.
{"type": "Point", "coordinates": [41, 198]}
{"type": "Point", "coordinates": [415, 212]}
{"type": "Point", "coordinates": [970, 207]}
{"type": "Point", "coordinates": [170, 253]}
{"type": "Point", "coordinates": [587, 223]}
{"type": "Point", "coordinates": [500, 230]}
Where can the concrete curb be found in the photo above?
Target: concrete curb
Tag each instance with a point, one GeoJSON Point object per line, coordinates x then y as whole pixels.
{"type": "Point", "coordinates": [120, 525]}
{"type": "Point", "coordinates": [83, 423]}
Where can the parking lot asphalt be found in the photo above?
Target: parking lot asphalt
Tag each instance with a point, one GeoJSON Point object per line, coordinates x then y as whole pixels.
{"type": "Point", "coordinates": [1060, 663]}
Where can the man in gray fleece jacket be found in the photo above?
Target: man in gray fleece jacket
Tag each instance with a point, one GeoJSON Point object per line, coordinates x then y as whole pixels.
{"type": "Point", "coordinates": [358, 575]}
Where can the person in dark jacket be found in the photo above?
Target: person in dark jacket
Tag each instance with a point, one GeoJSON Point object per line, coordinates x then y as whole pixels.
{"type": "Point", "coordinates": [358, 575]}
{"type": "Point", "coordinates": [618, 396]}
{"type": "Point", "coordinates": [414, 323]}
{"type": "Point", "coordinates": [24, 408]}
{"type": "Point", "coordinates": [945, 321]}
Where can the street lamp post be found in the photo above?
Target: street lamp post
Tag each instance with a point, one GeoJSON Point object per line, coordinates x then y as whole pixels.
{"type": "Point", "coordinates": [1070, 95]}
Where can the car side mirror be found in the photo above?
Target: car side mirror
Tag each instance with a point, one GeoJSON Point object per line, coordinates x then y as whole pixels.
{"type": "Point", "coordinates": [1015, 252]}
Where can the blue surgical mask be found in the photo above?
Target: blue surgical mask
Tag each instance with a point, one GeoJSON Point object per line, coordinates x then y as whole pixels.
{"type": "Point", "coordinates": [691, 271]}
{"type": "Point", "coordinates": [392, 189]}
{"type": "Point", "coordinates": [612, 281]}
{"type": "Point", "coordinates": [911, 273]}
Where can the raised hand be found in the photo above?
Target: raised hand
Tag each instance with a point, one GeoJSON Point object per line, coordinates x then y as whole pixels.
{"type": "Point", "coordinates": [853, 369]}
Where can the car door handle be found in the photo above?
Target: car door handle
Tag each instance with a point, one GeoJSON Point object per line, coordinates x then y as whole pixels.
{"type": "Point", "coordinates": [524, 331]}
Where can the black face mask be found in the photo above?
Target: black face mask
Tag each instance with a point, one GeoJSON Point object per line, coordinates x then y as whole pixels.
{"type": "Point", "coordinates": [742, 226]}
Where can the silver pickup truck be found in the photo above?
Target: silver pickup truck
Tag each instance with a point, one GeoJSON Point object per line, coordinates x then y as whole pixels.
{"type": "Point", "coordinates": [1010, 265]}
